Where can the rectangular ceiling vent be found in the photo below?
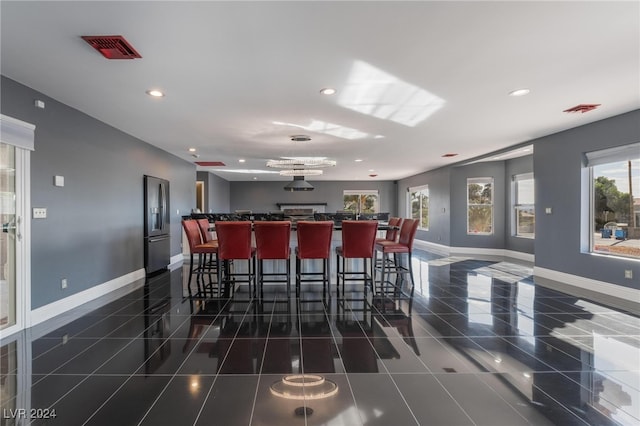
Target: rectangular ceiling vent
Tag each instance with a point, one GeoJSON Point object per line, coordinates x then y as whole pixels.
{"type": "Point", "coordinates": [582, 108]}
{"type": "Point", "coordinates": [210, 163]}
{"type": "Point", "coordinates": [112, 47]}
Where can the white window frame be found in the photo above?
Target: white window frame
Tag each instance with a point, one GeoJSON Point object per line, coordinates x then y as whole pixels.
{"type": "Point", "coordinates": [363, 192]}
{"type": "Point", "coordinates": [517, 206]}
{"type": "Point", "coordinates": [483, 181]}
{"type": "Point", "coordinates": [592, 159]}
{"type": "Point", "coordinates": [411, 191]}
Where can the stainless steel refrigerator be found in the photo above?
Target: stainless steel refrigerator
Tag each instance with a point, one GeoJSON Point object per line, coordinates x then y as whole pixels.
{"type": "Point", "coordinates": [157, 239]}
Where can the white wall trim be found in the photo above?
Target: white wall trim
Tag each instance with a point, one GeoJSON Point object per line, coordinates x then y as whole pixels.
{"type": "Point", "coordinates": [596, 286]}
{"type": "Point", "coordinates": [176, 261]}
{"type": "Point", "coordinates": [61, 306]}
{"type": "Point", "coordinates": [447, 250]}
{"type": "Point", "coordinates": [434, 247]}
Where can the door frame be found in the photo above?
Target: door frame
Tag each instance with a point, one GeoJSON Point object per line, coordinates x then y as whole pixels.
{"type": "Point", "coordinates": [21, 135]}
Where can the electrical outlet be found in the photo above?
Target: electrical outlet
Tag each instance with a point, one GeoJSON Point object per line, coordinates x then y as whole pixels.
{"type": "Point", "coordinates": [63, 283]}
{"type": "Point", "coordinates": [628, 273]}
{"type": "Point", "coordinates": [39, 212]}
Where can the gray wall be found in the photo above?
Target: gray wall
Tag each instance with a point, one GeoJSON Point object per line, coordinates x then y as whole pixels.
{"type": "Point", "coordinates": [263, 196]}
{"type": "Point", "coordinates": [216, 193]}
{"type": "Point", "coordinates": [93, 232]}
{"type": "Point", "coordinates": [558, 166]}
{"type": "Point", "coordinates": [458, 190]}
{"type": "Point", "coordinates": [439, 204]}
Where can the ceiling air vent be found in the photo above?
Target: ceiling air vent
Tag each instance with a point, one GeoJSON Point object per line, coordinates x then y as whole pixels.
{"type": "Point", "coordinates": [582, 108]}
{"type": "Point", "coordinates": [210, 163]}
{"type": "Point", "coordinates": [300, 138]}
{"type": "Point", "coordinates": [112, 47]}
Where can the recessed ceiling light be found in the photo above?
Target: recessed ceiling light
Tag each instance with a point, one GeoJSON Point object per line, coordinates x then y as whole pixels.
{"type": "Point", "coordinates": [358, 160]}
{"type": "Point", "coordinates": [242, 160]}
{"type": "Point", "coordinates": [519, 92]}
{"type": "Point", "coordinates": [192, 150]}
{"type": "Point", "coordinates": [372, 170]}
{"type": "Point", "coordinates": [155, 93]}
{"type": "Point", "coordinates": [255, 178]}
{"type": "Point", "coordinates": [328, 91]}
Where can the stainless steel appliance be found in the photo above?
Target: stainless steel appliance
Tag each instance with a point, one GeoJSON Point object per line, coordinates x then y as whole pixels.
{"type": "Point", "coordinates": [294, 215]}
{"type": "Point", "coordinates": [157, 239]}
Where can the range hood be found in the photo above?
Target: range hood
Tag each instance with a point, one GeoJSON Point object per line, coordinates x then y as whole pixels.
{"type": "Point", "coordinates": [298, 184]}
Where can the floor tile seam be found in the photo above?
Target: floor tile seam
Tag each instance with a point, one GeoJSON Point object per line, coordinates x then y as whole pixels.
{"type": "Point", "coordinates": [70, 360]}
{"type": "Point", "coordinates": [346, 375]}
{"type": "Point", "coordinates": [264, 352]}
{"type": "Point", "coordinates": [480, 377]}
{"type": "Point", "coordinates": [560, 404]}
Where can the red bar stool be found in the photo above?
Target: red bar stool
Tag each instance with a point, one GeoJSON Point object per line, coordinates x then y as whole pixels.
{"type": "Point", "coordinates": [395, 266]}
{"type": "Point", "coordinates": [358, 240]}
{"type": "Point", "coordinates": [234, 243]}
{"type": "Point", "coordinates": [314, 242]}
{"type": "Point", "coordinates": [272, 243]}
{"type": "Point", "coordinates": [196, 246]}
{"type": "Point", "coordinates": [208, 239]}
{"type": "Point", "coordinates": [392, 232]}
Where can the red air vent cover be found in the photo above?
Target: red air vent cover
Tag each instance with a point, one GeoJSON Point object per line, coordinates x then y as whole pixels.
{"type": "Point", "coordinates": [582, 108]}
{"type": "Point", "coordinates": [112, 47]}
{"type": "Point", "coordinates": [210, 163]}
{"type": "Point", "coordinates": [449, 155]}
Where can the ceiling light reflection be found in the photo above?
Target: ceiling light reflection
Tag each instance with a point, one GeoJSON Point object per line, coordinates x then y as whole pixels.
{"type": "Point", "coordinates": [374, 92]}
{"type": "Point", "coordinates": [332, 129]}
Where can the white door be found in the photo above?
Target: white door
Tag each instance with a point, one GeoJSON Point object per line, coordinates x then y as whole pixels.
{"type": "Point", "coordinates": [15, 294]}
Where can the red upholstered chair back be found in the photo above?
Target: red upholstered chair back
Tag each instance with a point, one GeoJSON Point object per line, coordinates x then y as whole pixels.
{"type": "Point", "coordinates": [392, 232]}
{"type": "Point", "coordinates": [358, 238]}
{"type": "Point", "coordinates": [314, 239]}
{"type": "Point", "coordinates": [234, 240]}
{"type": "Point", "coordinates": [204, 229]}
{"type": "Point", "coordinates": [192, 230]}
{"type": "Point", "coordinates": [272, 239]}
{"type": "Point", "coordinates": [408, 232]}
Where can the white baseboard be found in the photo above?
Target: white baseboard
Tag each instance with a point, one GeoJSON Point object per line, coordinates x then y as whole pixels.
{"type": "Point", "coordinates": [596, 286]}
{"type": "Point", "coordinates": [62, 306]}
{"type": "Point", "coordinates": [434, 247]}
{"type": "Point", "coordinates": [446, 250]}
{"type": "Point", "coordinates": [174, 261]}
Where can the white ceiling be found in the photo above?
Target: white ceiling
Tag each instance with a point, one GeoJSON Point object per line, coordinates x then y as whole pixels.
{"type": "Point", "coordinates": [241, 77]}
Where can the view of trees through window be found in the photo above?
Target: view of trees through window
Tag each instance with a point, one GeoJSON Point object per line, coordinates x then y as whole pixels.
{"type": "Point", "coordinates": [361, 201]}
{"type": "Point", "coordinates": [419, 205]}
{"type": "Point", "coordinates": [480, 206]}
{"type": "Point", "coordinates": [616, 211]}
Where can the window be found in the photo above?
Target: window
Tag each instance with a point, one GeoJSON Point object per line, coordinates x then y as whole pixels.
{"type": "Point", "coordinates": [480, 206]}
{"type": "Point", "coordinates": [614, 212]}
{"type": "Point", "coordinates": [524, 217]}
{"type": "Point", "coordinates": [419, 205]}
{"type": "Point", "coordinates": [364, 201]}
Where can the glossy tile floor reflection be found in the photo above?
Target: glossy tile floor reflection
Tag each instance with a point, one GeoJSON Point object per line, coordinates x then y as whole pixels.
{"type": "Point", "coordinates": [482, 346]}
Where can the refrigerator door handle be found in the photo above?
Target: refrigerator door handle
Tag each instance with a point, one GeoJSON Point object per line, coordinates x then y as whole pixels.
{"type": "Point", "coordinates": [162, 206]}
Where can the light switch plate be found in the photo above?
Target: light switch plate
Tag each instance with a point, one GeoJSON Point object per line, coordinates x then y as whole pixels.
{"type": "Point", "coordinates": [58, 180]}
{"type": "Point", "coordinates": [39, 212]}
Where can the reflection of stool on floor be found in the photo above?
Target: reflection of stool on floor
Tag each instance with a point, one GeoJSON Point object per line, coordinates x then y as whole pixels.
{"type": "Point", "coordinates": [356, 327]}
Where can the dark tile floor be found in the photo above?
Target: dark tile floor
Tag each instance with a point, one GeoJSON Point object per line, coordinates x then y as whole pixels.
{"type": "Point", "coordinates": [482, 346]}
